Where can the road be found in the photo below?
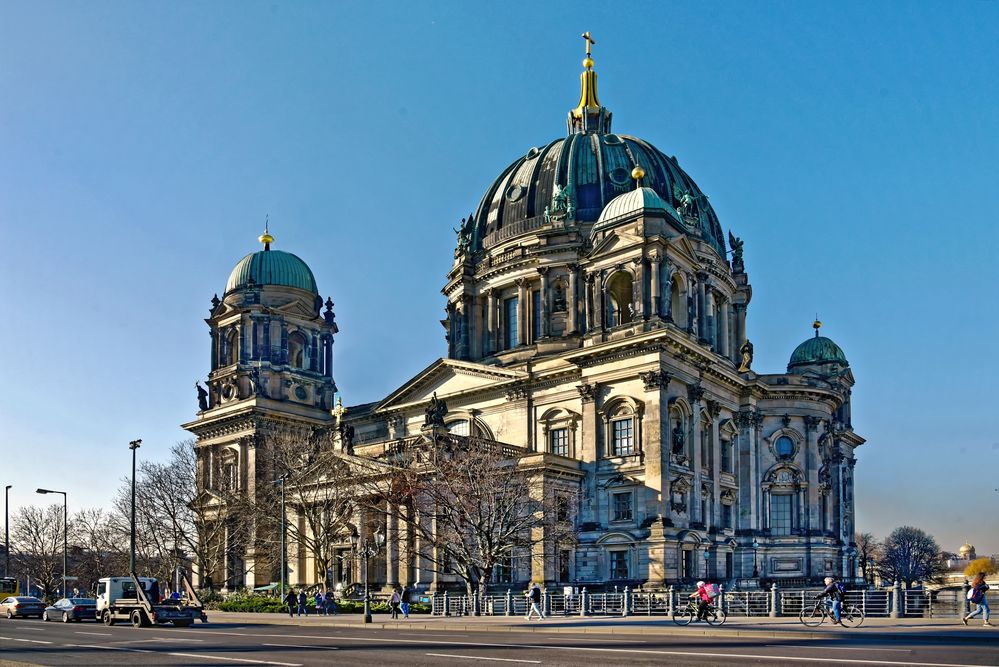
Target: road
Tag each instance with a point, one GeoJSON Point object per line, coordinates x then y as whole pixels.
{"type": "Point", "coordinates": [80, 644]}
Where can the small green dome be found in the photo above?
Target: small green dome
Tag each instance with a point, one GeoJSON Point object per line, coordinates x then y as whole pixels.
{"type": "Point", "coordinates": [817, 350]}
{"type": "Point", "coordinates": [272, 267]}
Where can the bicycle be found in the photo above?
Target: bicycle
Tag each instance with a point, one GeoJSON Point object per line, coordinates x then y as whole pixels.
{"type": "Point", "coordinates": [850, 617]}
{"type": "Point", "coordinates": [687, 612]}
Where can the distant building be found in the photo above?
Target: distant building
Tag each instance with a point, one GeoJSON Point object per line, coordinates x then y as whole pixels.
{"type": "Point", "coordinates": [597, 319]}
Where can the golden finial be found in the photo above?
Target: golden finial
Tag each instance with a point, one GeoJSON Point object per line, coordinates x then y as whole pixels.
{"type": "Point", "coordinates": [589, 43]}
{"type": "Point", "coordinates": [266, 237]}
{"type": "Point", "coordinates": [816, 325]}
{"type": "Point", "coordinates": [638, 174]}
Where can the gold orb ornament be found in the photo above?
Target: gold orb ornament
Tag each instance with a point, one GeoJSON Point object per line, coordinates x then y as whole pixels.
{"type": "Point", "coordinates": [638, 173]}
{"type": "Point", "coordinates": [588, 63]}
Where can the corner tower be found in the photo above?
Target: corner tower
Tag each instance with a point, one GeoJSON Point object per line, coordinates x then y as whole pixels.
{"type": "Point", "coordinates": [271, 370]}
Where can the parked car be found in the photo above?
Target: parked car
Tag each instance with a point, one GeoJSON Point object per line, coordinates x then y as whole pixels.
{"type": "Point", "coordinates": [23, 606]}
{"type": "Point", "coordinates": [71, 609]}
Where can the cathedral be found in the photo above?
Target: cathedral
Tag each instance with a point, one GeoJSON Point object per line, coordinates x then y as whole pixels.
{"type": "Point", "coordinates": [596, 323]}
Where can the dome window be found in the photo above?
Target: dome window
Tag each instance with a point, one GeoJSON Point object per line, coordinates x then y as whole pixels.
{"type": "Point", "coordinates": [612, 140]}
{"type": "Point", "coordinates": [620, 176]}
{"type": "Point", "coordinates": [784, 447]}
{"type": "Point", "coordinates": [514, 192]}
{"type": "Point", "coordinates": [532, 153]}
{"type": "Point", "coordinates": [296, 350]}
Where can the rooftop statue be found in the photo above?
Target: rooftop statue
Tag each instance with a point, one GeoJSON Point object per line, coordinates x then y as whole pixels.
{"type": "Point", "coordinates": [747, 356]}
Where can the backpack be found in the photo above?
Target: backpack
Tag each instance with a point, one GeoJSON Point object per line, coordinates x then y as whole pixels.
{"type": "Point", "coordinates": [840, 587]}
{"type": "Point", "coordinates": [712, 590]}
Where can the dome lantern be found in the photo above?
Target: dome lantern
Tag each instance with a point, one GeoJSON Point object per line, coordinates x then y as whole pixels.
{"type": "Point", "coordinates": [588, 117]}
{"type": "Point", "coordinates": [271, 267]}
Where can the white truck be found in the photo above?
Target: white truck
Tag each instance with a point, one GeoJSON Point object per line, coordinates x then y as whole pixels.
{"type": "Point", "coordinates": [136, 600]}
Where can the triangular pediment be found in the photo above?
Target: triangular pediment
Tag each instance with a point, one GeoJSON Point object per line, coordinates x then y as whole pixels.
{"type": "Point", "coordinates": [447, 377]}
{"type": "Point", "coordinates": [680, 245]}
{"type": "Point", "coordinates": [296, 307]}
{"type": "Point", "coordinates": [615, 240]}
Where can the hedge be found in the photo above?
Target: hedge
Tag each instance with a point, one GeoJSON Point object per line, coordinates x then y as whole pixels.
{"type": "Point", "coordinates": [269, 605]}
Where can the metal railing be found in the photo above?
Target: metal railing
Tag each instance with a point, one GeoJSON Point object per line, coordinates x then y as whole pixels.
{"type": "Point", "coordinates": [919, 603]}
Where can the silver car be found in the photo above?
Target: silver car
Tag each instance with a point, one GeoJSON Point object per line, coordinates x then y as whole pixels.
{"type": "Point", "coordinates": [23, 606]}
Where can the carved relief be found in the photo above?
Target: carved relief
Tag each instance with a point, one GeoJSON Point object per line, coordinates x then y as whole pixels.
{"type": "Point", "coordinates": [655, 379]}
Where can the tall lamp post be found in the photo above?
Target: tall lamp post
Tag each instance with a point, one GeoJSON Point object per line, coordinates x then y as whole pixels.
{"type": "Point", "coordinates": [6, 530]}
{"type": "Point", "coordinates": [65, 532]}
{"type": "Point", "coordinates": [365, 549]}
{"type": "Point", "coordinates": [706, 557]}
{"type": "Point", "coordinates": [756, 565]}
{"type": "Point", "coordinates": [283, 531]}
{"type": "Point", "coordinates": [133, 445]}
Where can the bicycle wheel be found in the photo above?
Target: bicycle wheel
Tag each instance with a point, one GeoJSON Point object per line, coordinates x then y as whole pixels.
{"type": "Point", "coordinates": [716, 617]}
{"type": "Point", "coordinates": [683, 615]}
{"type": "Point", "coordinates": [851, 616]}
{"type": "Point", "coordinates": [813, 617]}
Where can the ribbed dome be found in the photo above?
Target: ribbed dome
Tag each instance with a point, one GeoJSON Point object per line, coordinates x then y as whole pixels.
{"type": "Point", "coordinates": [817, 350]}
{"type": "Point", "coordinates": [636, 201]}
{"type": "Point", "coordinates": [593, 169]}
{"type": "Point", "coordinates": [272, 267]}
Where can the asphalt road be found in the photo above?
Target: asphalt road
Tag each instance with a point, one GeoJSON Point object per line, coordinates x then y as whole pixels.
{"type": "Point", "coordinates": [79, 644]}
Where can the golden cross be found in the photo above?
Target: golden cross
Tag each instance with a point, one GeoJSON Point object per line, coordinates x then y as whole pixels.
{"type": "Point", "coordinates": [589, 42]}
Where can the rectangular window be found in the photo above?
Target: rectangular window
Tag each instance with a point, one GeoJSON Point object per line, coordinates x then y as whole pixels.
{"type": "Point", "coordinates": [510, 318]}
{"type": "Point", "coordinates": [622, 506]}
{"type": "Point", "coordinates": [622, 437]}
{"type": "Point", "coordinates": [704, 510]}
{"type": "Point", "coordinates": [726, 452]}
{"type": "Point", "coordinates": [780, 514]}
{"type": "Point", "coordinates": [618, 564]}
{"type": "Point", "coordinates": [705, 450]}
{"type": "Point", "coordinates": [729, 565]}
{"type": "Point", "coordinates": [727, 516]}
{"type": "Point", "coordinates": [503, 570]}
{"type": "Point", "coordinates": [536, 314]}
{"type": "Point", "coordinates": [558, 441]}
{"type": "Point", "coordinates": [563, 508]}
{"type": "Point", "coordinates": [687, 564]}
{"type": "Point", "coordinates": [564, 560]}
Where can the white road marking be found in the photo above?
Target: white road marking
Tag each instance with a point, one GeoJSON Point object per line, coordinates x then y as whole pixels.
{"type": "Point", "coordinates": [96, 634]}
{"type": "Point", "coordinates": [174, 639]}
{"type": "Point", "coordinates": [840, 648]}
{"type": "Point", "coordinates": [695, 654]}
{"type": "Point", "coordinates": [424, 634]}
{"type": "Point", "coordinates": [219, 657]}
{"type": "Point", "coordinates": [313, 646]}
{"type": "Point", "coordinates": [481, 657]}
{"type": "Point", "coordinates": [22, 627]}
{"type": "Point", "coordinates": [29, 641]}
{"type": "Point", "coordinates": [111, 648]}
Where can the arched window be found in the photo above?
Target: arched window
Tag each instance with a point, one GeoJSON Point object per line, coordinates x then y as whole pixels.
{"type": "Point", "coordinates": [622, 427]}
{"type": "Point", "coordinates": [231, 348]}
{"type": "Point", "coordinates": [297, 345]}
{"type": "Point", "coordinates": [678, 301]}
{"type": "Point", "coordinates": [784, 447]}
{"type": "Point", "coordinates": [459, 427]}
{"type": "Point", "coordinates": [619, 299]}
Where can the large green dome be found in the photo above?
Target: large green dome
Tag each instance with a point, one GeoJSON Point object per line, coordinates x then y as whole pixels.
{"type": "Point", "coordinates": [272, 267]}
{"type": "Point", "coordinates": [817, 350]}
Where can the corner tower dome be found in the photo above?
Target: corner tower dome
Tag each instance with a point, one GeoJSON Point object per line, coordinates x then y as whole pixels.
{"type": "Point", "coordinates": [574, 178]}
{"type": "Point", "coordinates": [816, 351]}
{"type": "Point", "coordinates": [271, 267]}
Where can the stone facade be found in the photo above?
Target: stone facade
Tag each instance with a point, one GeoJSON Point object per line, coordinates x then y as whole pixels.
{"type": "Point", "coordinates": [596, 322]}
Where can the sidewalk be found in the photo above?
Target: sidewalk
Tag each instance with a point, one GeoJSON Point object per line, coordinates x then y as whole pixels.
{"type": "Point", "coordinates": [761, 627]}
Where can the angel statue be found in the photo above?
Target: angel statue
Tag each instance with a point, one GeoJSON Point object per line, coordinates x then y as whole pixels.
{"type": "Point", "coordinates": [747, 356]}
{"type": "Point", "coordinates": [686, 200]}
{"type": "Point", "coordinates": [736, 244]}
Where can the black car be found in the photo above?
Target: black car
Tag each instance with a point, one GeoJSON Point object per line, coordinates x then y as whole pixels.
{"type": "Point", "coordinates": [71, 609]}
{"type": "Point", "coordinates": [23, 606]}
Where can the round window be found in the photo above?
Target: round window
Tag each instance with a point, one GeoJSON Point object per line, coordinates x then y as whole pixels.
{"type": "Point", "coordinates": [784, 447]}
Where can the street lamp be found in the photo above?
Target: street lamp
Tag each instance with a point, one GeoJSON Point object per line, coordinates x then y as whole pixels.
{"type": "Point", "coordinates": [133, 445]}
{"type": "Point", "coordinates": [706, 557]}
{"type": "Point", "coordinates": [6, 530]}
{"type": "Point", "coordinates": [65, 531]}
{"type": "Point", "coordinates": [756, 566]}
{"type": "Point", "coordinates": [363, 548]}
{"type": "Point", "coordinates": [283, 531]}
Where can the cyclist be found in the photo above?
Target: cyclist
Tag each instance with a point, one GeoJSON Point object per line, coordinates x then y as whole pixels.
{"type": "Point", "coordinates": [834, 592]}
{"type": "Point", "coordinates": [703, 595]}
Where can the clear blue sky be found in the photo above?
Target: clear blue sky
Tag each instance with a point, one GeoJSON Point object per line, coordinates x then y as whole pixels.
{"type": "Point", "coordinates": [853, 146]}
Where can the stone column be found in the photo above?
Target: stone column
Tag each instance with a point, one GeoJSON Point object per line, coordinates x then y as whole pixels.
{"type": "Point", "coordinates": [464, 325]}
{"type": "Point", "coordinates": [702, 305]}
{"type": "Point", "coordinates": [588, 450]}
{"type": "Point", "coordinates": [545, 324]}
{"type": "Point", "coordinates": [638, 289]}
{"type": "Point", "coordinates": [716, 468]}
{"type": "Point", "coordinates": [314, 354]}
{"type": "Point", "coordinates": [694, 394]}
{"type": "Point", "coordinates": [599, 302]}
{"type": "Point", "coordinates": [723, 315]}
{"type": "Point", "coordinates": [523, 308]}
{"type": "Point", "coordinates": [573, 304]}
{"type": "Point", "coordinates": [740, 326]}
{"type": "Point", "coordinates": [492, 330]}
{"type": "Point", "coordinates": [811, 495]}
{"type": "Point", "coordinates": [657, 308]}
{"type": "Point", "coordinates": [588, 304]}
{"type": "Point", "coordinates": [392, 547]}
{"type": "Point", "coordinates": [266, 352]}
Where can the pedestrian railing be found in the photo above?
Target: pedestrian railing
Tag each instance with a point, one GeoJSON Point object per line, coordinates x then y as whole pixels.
{"type": "Point", "coordinates": [888, 602]}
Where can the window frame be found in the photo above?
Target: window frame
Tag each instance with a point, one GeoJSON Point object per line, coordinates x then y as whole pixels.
{"type": "Point", "coordinates": [619, 557]}
{"type": "Point", "coordinates": [619, 512]}
{"type": "Point", "coordinates": [617, 445]}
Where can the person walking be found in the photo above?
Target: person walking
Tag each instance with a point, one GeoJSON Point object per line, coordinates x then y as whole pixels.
{"type": "Point", "coordinates": [320, 604]}
{"type": "Point", "coordinates": [404, 604]}
{"type": "Point", "coordinates": [330, 603]}
{"type": "Point", "coordinates": [534, 597]}
{"type": "Point", "coordinates": [302, 600]}
{"type": "Point", "coordinates": [394, 602]}
{"type": "Point", "coordinates": [978, 595]}
{"type": "Point", "coordinates": [291, 601]}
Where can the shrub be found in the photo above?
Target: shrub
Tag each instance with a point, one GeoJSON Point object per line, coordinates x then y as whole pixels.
{"type": "Point", "coordinates": [986, 566]}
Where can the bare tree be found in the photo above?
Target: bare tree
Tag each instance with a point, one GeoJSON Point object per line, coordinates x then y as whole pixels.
{"type": "Point", "coordinates": [37, 545]}
{"type": "Point", "coordinates": [100, 548]}
{"type": "Point", "coordinates": [867, 547]}
{"type": "Point", "coordinates": [910, 555]}
{"type": "Point", "coordinates": [321, 487]}
{"type": "Point", "coordinates": [477, 506]}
